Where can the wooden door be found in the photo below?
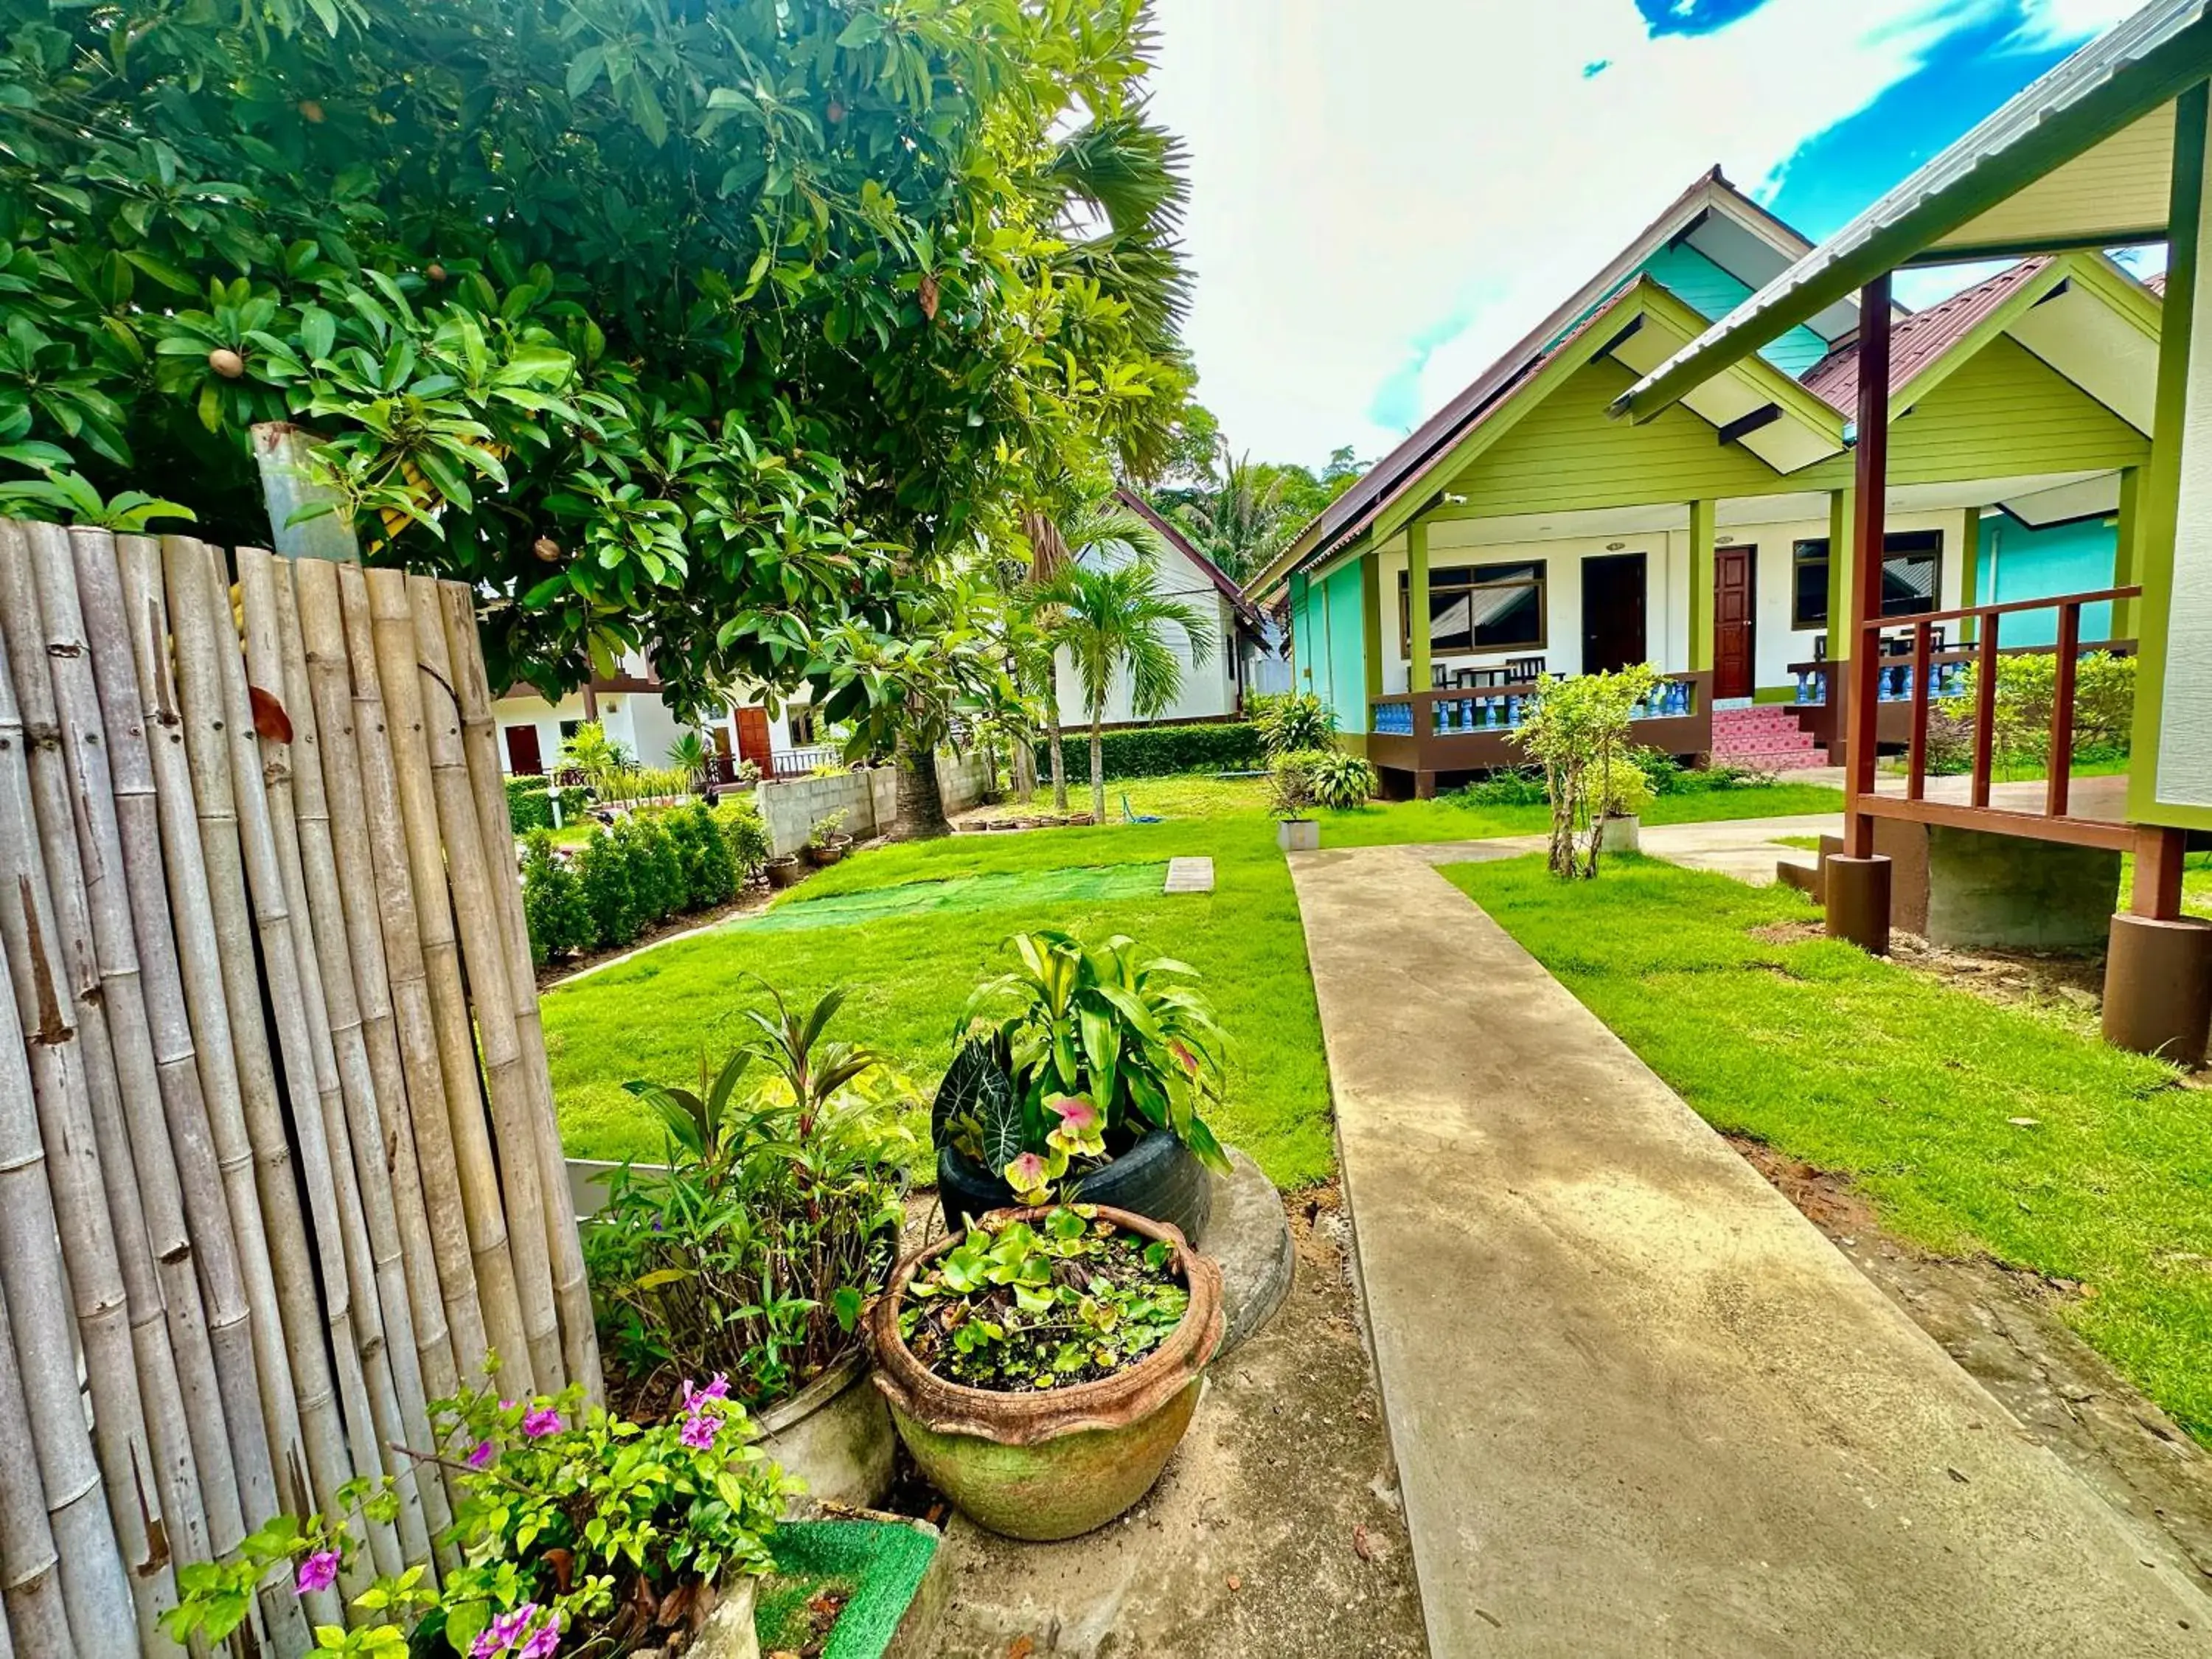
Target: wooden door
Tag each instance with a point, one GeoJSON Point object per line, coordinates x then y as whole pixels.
{"type": "Point", "coordinates": [753, 744]}
{"type": "Point", "coordinates": [1613, 634]}
{"type": "Point", "coordinates": [1736, 672]}
{"type": "Point", "coordinates": [523, 759]}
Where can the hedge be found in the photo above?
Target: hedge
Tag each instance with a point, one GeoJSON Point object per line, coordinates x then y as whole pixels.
{"type": "Point", "coordinates": [1158, 751]}
{"type": "Point", "coordinates": [650, 866]}
{"type": "Point", "coordinates": [530, 804]}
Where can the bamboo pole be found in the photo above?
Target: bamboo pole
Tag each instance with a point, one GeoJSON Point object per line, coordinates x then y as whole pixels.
{"type": "Point", "coordinates": [491, 1242]}
{"type": "Point", "coordinates": [51, 1497]}
{"type": "Point", "coordinates": [128, 1362]}
{"type": "Point", "coordinates": [571, 1291]}
{"type": "Point", "coordinates": [200, 1499]}
{"type": "Point", "coordinates": [201, 959]}
{"type": "Point", "coordinates": [201, 629]}
{"type": "Point", "coordinates": [476, 906]}
{"type": "Point", "coordinates": [261, 786]}
{"type": "Point", "coordinates": [346, 635]}
{"type": "Point", "coordinates": [358, 1145]}
{"type": "Point", "coordinates": [229, 1249]}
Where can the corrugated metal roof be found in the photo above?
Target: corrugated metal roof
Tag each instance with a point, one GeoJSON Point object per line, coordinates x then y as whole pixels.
{"type": "Point", "coordinates": [2107, 86]}
{"type": "Point", "coordinates": [1919, 339]}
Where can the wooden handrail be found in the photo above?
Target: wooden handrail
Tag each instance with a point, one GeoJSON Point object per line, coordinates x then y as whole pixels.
{"type": "Point", "coordinates": [2099, 597]}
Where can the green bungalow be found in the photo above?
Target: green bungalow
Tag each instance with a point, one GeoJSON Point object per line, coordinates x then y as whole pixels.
{"type": "Point", "coordinates": [1538, 535]}
{"type": "Point", "coordinates": [2108, 150]}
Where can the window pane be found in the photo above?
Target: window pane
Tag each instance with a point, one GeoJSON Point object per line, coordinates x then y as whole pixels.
{"type": "Point", "coordinates": [1509, 616]}
{"type": "Point", "coordinates": [1448, 627]}
{"type": "Point", "coordinates": [1809, 592]}
{"type": "Point", "coordinates": [1908, 584]}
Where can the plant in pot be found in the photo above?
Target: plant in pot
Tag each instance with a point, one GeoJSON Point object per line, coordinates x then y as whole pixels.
{"type": "Point", "coordinates": [1291, 798]}
{"type": "Point", "coordinates": [827, 843]}
{"type": "Point", "coordinates": [1043, 1365]}
{"type": "Point", "coordinates": [1090, 1067]}
{"type": "Point", "coordinates": [1579, 730]}
{"type": "Point", "coordinates": [1628, 792]}
{"type": "Point", "coordinates": [783, 870]}
{"type": "Point", "coordinates": [748, 1255]}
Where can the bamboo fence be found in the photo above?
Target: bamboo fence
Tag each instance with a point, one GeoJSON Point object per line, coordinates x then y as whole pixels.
{"type": "Point", "coordinates": [278, 1162]}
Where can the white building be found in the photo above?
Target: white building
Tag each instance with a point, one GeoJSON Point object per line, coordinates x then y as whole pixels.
{"type": "Point", "coordinates": [630, 706]}
{"type": "Point", "coordinates": [1239, 657]}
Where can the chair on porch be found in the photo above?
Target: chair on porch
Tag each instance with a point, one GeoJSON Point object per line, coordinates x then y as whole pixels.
{"type": "Point", "coordinates": [1523, 671]}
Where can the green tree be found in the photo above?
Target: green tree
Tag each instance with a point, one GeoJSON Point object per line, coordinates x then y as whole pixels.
{"type": "Point", "coordinates": [1111, 619]}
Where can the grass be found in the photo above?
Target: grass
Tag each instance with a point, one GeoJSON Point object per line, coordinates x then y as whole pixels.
{"type": "Point", "coordinates": [1910, 1089]}
{"type": "Point", "coordinates": [910, 953]}
{"type": "Point", "coordinates": [911, 972]}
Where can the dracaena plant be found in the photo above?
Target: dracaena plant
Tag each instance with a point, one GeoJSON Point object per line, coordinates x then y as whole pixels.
{"type": "Point", "coordinates": [1068, 1062]}
{"type": "Point", "coordinates": [777, 1214]}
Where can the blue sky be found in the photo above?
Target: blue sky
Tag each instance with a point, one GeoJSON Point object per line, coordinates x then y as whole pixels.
{"type": "Point", "coordinates": [1387, 193]}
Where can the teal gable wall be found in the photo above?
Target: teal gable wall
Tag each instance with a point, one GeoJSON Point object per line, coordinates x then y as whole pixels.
{"type": "Point", "coordinates": [2020, 563]}
{"type": "Point", "coordinates": [1347, 654]}
{"type": "Point", "coordinates": [1699, 283]}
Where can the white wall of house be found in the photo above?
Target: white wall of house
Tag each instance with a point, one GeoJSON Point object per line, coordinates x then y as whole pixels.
{"type": "Point", "coordinates": [1209, 687]}
{"type": "Point", "coordinates": [641, 721]}
{"type": "Point", "coordinates": [1777, 643]}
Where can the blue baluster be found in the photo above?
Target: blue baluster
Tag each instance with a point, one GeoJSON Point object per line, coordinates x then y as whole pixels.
{"type": "Point", "coordinates": [1802, 689]}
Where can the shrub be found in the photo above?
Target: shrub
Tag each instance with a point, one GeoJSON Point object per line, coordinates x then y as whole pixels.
{"type": "Point", "coordinates": [1627, 791]}
{"type": "Point", "coordinates": [529, 805]}
{"type": "Point", "coordinates": [2104, 705]}
{"type": "Point", "coordinates": [1522, 786]}
{"type": "Point", "coordinates": [1291, 784]}
{"type": "Point", "coordinates": [710, 872]}
{"type": "Point", "coordinates": [553, 907]}
{"type": "Point", "coordinates": [1341, 781]}
{"type": "Point", "coordinates": [1579, 730]}
{"type": "Point", "coordinates": [743, 828]}
{"type": "Point", "coordinates": [605, 884]}
{"type": "Point", "coordinates": [1159, 751]}
{"type": "Point", "coordinates": [777, 1217]}
{"type": "Point", "coordinates": [1301, 722]}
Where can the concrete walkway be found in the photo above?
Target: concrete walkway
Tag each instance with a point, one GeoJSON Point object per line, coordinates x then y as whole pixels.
{"type": "Point", "coordinates": [1638, 1405]}
{"type": "Point", "coordinates": [1747, 848]}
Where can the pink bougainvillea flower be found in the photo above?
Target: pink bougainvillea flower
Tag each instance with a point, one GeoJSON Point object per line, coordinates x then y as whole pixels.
{"type": "Point", "coordinates": [482, 1457]}
{"type": "Point", "coordinates": [318, 1572]}
{"type": "Point", "coordinates": [544, 1642]}
{"type": "Point", "coordinates": [699, 1430]}
{"type": "Point", "coordinates": [1075, 1113]}
{"type": "Point", "coordinates": [717, 1389]}
{"type": "Point", "coordinates": [519, 1635]}
{"type": "Point", "coordinates": [542, 1422]}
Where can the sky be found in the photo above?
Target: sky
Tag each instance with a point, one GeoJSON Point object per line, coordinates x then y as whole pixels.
{"type": "Point", "coordinates": [1386, 194]}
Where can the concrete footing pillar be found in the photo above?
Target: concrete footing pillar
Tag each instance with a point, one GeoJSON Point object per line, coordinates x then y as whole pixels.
{"type": "Point", "coordinates": [1857, 895]}
{"type": "Point", "coordinates": [2157, 987]}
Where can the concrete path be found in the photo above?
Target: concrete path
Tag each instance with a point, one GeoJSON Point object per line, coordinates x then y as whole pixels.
{"type": "Point", "coordinates": [1639, 1406]}
{"type": "Point", "coordinates": [1746, 848]}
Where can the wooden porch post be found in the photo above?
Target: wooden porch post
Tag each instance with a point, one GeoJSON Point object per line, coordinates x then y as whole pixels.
{"type": "Point", "coordinates": [1371, 636]}
{"type": "Point", "coordinates": [1871, 484]}
{"type": "Point", "coordinates": [1701, 585]}
{"type": "Point", "coordinates": [1842, 505]}
{"type": "Point", "coordinates": [1417, 604]}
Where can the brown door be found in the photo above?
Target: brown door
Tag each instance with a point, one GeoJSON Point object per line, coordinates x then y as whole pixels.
{"type": "Point", "coordinates": [1734, 670]}
{"type": "Point", "coordinates": [1612, 613]}
{"type": "Point", "coordinates": [753, 743]}
{"type": "Point", "coordinates": [523, 759]}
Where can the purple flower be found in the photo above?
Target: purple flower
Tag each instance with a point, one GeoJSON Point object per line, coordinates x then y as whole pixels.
{"type": "Point", "coordinates": [542, 1422]}
{"type": "Point", "coordinates": [546, 1642]}
{"type": "Point", "coordinates": [520, 1635]}
{"type": "Point", "coordinates": [482, 1457]}
{"type": "Point", "coordinates": [699, 1430]}
{"type": "Point", "coordinates": [318, 1572]}
{"type": "Point", "coordinates": [717, 1389]}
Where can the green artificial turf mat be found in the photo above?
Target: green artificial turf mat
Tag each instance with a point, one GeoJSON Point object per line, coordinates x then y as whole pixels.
{"type": "Point", "coordinates": [883, 1560]}
{"type": "Point", "coordinates": [957, 893]}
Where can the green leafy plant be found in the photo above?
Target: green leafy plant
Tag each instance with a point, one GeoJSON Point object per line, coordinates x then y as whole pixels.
{"type": "Point", "coordinates": [1160, 751]}
{"type": "Point", "coordinates": [1341, 780]}
{"type": "Point", "coordinates": [1291, 792]}
{"type": "Point", "coordinates": [1627, 790]}
{"type": "Point", "coordinates": [554, 909]}
{"type": "Point", "coordinates": [740, 820]}
{"type": "Point", "coordinates": [777, 1216]}
{"type": "Point", "coordinates": [829, 830]}
{"type": "Point", "coordinates": [1519, 785]}
{"type": "Point", "coordinates": [1579, 730]}
{"type": "Point", "coordinates": [576, 1531]}
{"type": "Point", "coordinates": [589, 752]}
{"type": "Point", "coordinates": [1298, 723]}
{"type": "Point", "coordinates": [65, 496]}
{"type": "Point", "coordinates": [2028, 684]}
{"type": "Point", "coordinates": [1022, 1306]}
{"type": "Point", "coordinates": [1099, 1048]}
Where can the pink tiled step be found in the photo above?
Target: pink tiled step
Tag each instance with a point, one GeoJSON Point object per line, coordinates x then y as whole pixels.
{"type": "Point", "coordinates": [1766, 737]}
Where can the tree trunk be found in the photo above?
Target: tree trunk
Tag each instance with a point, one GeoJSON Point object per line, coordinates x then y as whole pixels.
{"type": "Point", "coordinates": [921, 805]}
{"type": "Point", "coordinates": [1059, 760]}
{"type": "Point", "coordinates": [1098, 768]}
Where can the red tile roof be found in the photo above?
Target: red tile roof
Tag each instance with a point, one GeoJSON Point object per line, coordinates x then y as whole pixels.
{"type": "Point", "coordinates": [1917, 340]}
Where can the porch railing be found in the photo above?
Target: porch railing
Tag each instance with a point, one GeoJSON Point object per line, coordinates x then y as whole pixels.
{"type": "Point", "coordinates": [1920, 680]}
{"type": "Point", "coordinates": [798, 763]}
{"type": "Point", "coordinates": [1501, 710]}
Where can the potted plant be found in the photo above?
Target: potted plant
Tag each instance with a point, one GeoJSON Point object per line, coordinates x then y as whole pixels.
{"type": "Point", "coordinates": [1091, 1069]}
{"type": "Point", "coordinates": [827, 843]}
{"type": "Point", "coordinates": [1043, 1365]}
{"type": "Point", "coordinates": [1291, 798]}
{"type": "Point", "coordinates": [1628, 792]}
{"type": "Point", "coordinates": [748, 1255]}
{"type": "Point", "coordinates": [783, 870]}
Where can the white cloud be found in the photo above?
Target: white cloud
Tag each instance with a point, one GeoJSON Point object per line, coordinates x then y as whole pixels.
{"type": "Point", "coordinates": [1404, 187]}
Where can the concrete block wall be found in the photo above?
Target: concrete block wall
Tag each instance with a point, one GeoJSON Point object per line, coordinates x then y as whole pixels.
{"type": "Point", "coordinates": [961, 779]}
{"type": "Point", "coordinates": [791, 807]}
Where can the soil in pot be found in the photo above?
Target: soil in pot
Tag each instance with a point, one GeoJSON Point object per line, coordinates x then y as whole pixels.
{"type": "Point", "coordinates": [1158, 1177]}
{"type": "Point", "coordinates": [1041, 1367]}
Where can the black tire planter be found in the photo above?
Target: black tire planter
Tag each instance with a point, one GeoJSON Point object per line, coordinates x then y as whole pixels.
{"type": "Point", "coordinates": [1158, 1178]}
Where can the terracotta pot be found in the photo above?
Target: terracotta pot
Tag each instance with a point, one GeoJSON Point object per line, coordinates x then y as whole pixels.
{"type": "Point", "coordinates": [827, 853]}
{"type": "Point", "coordinates": [785, 871]}
{"type": "Point", "coordinates": [1061, 1462]}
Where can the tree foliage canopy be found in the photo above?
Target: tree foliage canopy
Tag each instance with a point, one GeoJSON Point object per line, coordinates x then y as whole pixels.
{"type": "Point", "coordinates": [709, 326]}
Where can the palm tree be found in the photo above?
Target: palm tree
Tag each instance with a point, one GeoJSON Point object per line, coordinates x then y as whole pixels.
{"type": "Point", "coordinates": [1112, 621]}
{"type": "Point", "coordinates": [1242, 523]}
{"type": "Point", "coordinates": [690, 755]}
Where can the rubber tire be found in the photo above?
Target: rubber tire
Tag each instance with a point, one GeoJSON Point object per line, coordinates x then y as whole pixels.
{"type": "Point", "coordinates": [1158, 1177]}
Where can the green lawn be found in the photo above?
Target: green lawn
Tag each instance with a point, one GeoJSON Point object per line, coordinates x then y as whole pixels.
{"type": "Point", "coordinates": [938, 920]}
{"type": "Point", "coordinates": [1910, 1090]}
